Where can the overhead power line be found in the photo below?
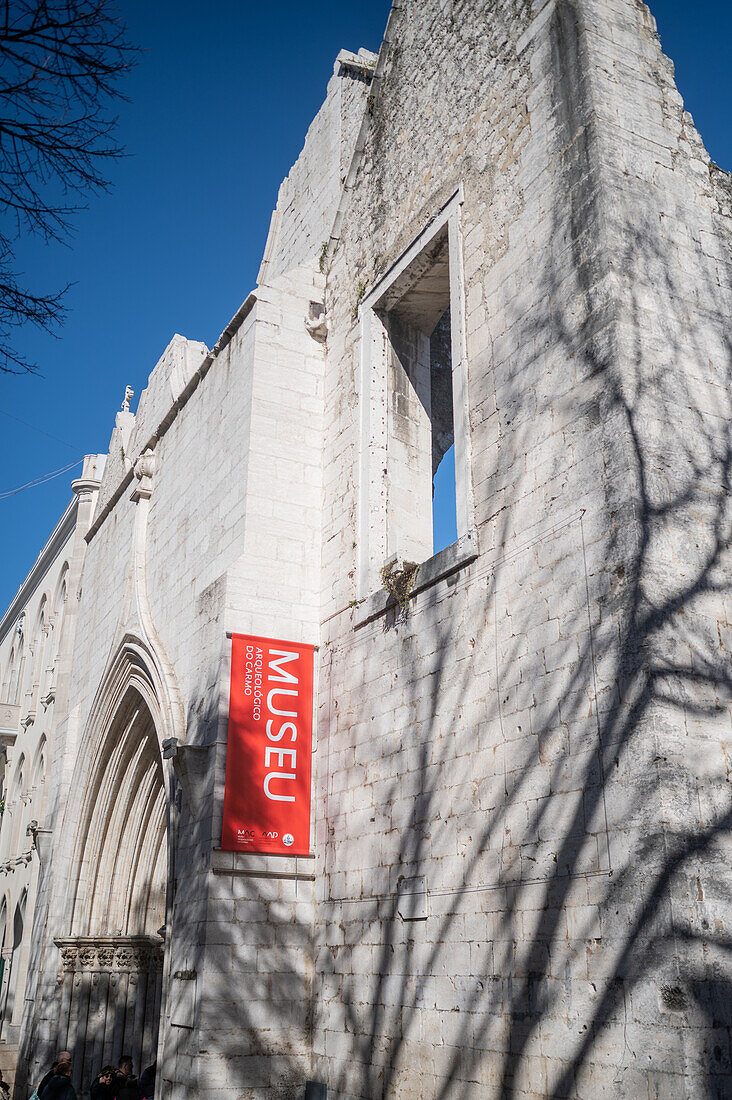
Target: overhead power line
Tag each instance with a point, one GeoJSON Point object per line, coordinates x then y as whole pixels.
{"type": "Point", "coordinates": [40, 480]}
{"type": "Point", "coordinates": [33, 428]}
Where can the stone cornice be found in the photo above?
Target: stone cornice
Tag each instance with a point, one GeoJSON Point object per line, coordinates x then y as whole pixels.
{"type": "Point", "coordinates": [110, 954]}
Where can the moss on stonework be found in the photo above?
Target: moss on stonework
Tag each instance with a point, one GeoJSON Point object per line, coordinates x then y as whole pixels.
{"type": "Point", "coordinates": [398, 580]}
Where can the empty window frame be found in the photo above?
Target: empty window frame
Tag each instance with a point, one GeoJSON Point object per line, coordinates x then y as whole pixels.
{"type": "Point", "coordinates": [414, 412]}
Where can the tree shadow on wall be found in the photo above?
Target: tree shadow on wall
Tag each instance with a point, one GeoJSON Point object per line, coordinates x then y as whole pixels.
{"type": "Point", "coordinates": [644, 934]}
{"type": "Point", "coordinates": [544, 742]}
{"type": "Point", "coordinates": [596, 963]}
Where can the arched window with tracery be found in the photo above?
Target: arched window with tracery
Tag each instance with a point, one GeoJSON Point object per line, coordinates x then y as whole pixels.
{"type": "Point", "coordinates": [38, 781]}
{"type": "Point", "coordinates": [18, 967]}
{"type": "Point", "coordinates": [38, 647]}
{"type": "Point", "coordinates": [55, 638]}
{"type": "Point", "coordinates": [15, 809]}
{"type": "Point", "coordinates": [9, 674]}
{"type": "Point", "coordinates": [17, 668]}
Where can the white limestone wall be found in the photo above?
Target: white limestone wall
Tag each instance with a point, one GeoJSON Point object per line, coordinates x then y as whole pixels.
{"type": "Point", "coordinates": [519, 880]}
{"type": "Point", "coordinates": [308, 198]}
{"type": "Point", "coordinates": [219, 530]}
{"type": "Point", "coordinates": [541, 744]}
{"type": "Point", "coordinates": [36, 636]}
{"type": "Point", "coordinates": [276, 579]}
{"type": "Point", "coordinates": [36, 643]}
{"type": "Point", "coordinates": [208, 521]}
{"type": "Point", "coordinates": [257, 958]}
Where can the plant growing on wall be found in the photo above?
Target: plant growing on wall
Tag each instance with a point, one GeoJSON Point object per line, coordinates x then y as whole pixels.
{"type": "Point", "coordinates": [398, 579]}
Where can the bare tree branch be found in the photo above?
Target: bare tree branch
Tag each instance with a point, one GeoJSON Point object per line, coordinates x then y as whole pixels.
{"type": "Point", "coordinates": [60, 62]}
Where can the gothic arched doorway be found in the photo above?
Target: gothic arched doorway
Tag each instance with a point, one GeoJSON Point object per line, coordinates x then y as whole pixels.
{"type": "Point", "coordinates": [112, 961]}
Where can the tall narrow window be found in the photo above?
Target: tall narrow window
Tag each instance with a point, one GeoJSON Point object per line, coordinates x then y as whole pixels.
{"type": "Point", "coordinates": [10, 679]}
{"type": "Point", "coordinates": [415, 492]}
{"type": "Point", "coordinates": [16, 677]}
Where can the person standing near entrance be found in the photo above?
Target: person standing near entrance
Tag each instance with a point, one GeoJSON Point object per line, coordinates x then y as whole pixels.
{"type": "Point", "coordinates": [147, 1082]}
{"type": "Point", "coordinates": [102, 1087]}
{"type": "Point", "coordinates": [61, 1057]}
{"type": "Point", "coordinates": [59, 1087]}
{"type": "Point", "coordinates": [125, 1085]}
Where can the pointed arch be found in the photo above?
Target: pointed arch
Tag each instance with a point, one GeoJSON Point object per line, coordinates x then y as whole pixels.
{"type": "Point", "coordinates": [38, 768]}
{"type": "Point", "coordinates": [5, 910]}
{"type": "Point", "coordinates": [5, 940]}
{"type": "Point", "coordinates": [60, 592]}
{"type": "Point", "coordinates": [37, 779]}
{"type": "Point", "coordinates": [123, 829]}
{"type": "Point", "coordinates": [136, 665]}
{"type": "Point", "coordinates": [39, 650]}
{"type": "Point", "coordinates": [8, 678]}
{"type": "Point", "coordinates": [49, 674]}
{"type": "Point", "coordinates": [39, 639]}
{"type": "Point", "coordinates": [17, 970]}
{"type": "Point", "coordinates": [18, 783]}
{"type": "Point", "coordinates": [118, 882]}
{"type": "Point", "coordinates": [15, 674]}
{"type": "Point", "coordinates": [14, 805]}
{"type": "Point", "coordinates": [119, 764]}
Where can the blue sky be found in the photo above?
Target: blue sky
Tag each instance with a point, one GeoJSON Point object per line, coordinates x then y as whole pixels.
{"type": "Point", "coordinates": [218, 110]}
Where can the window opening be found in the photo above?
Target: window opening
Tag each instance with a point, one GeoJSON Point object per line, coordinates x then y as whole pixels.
{"type": "Point", "coordinates": [415, 496]}
{"type": "Point", "coordinates": [13, 1007]}
{"type": "Point", "coordinates": [444, 503]}
{"type": "Point", "coordinates": [444, 507]}
{"type": "Point", "coordinates": [415, 314]}
{"type": "Point", "coordinates": [8, 694]}
{"type": "Point", "coordinates": [17, 678]}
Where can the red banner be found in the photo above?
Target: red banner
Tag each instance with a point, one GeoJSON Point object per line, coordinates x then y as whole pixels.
{"type": "Point", "coordinates": [267, 793]}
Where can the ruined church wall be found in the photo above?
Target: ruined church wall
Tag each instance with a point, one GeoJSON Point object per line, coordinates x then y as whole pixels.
{"type": "Point", "coordinates": [63, 577]}
{"type": "Point", "coordinates": [514, 741]}
{"type": "Point", "coordinates": [668, 230]}
{"type": "Point", "coordinates": [194, 529]}
{"type": "Point", "coordinates": [231, 542]}
{"type": "Point", "coordinates": [184, 534]}
{"type": "Point", "coordinates": [309, 195]}
{"type": "Point", "coordinates": [256, 973]}
{"type": "Point", "coordinates": [38, 626]}
{"type": "Point", "coordinates": [197, 523]}
{"type": "Point", "coordinates": [519, 882]}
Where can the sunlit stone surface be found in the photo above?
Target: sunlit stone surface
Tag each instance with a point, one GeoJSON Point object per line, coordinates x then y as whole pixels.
{"type": "Point", "coordinates": [521, 799]}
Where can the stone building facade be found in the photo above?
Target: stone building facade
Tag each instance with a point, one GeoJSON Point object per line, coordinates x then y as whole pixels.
{"type": "Point", "coordinates": [504, 242]}
{"type": "Point", "coordinates": [36, 645]}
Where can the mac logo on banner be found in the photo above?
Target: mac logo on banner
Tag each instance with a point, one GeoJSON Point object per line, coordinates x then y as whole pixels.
{"type": "Point", "coordinates": [267, 793]}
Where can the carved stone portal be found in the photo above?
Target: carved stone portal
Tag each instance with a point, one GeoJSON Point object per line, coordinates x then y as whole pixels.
{"type": "Point", "coordinates": [110, 1001]}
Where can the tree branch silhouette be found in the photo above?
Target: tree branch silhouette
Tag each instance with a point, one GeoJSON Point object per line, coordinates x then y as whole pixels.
{"type": "Point", "coordinates": [60, 63]}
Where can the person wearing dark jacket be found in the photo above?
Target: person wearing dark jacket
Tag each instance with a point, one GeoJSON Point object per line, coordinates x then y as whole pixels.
{"type": "Point", "coordinates": [125, 1085]}
{"type": "Point", "coordinates": [147, 1082]}
{"type": "Point", "coordinates": [61, 1057]}
{"type": "Point", "coordinates": [60, 1087]}
{"type": "Point", "coordinates": [102, 1087]}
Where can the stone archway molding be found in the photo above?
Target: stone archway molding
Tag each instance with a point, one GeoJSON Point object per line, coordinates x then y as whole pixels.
{"type": "Point", "coordinates": [113, 970]}
{"type": "Point", "coordinates": [134, 668]}
{"type": "Point", "coordinates": [135, 664]}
